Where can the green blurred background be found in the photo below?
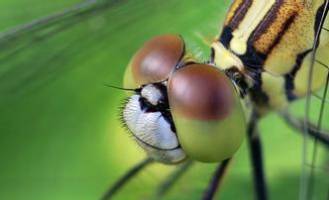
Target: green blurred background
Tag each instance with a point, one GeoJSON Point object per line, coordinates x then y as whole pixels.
{"type": "Point", "coordinates": [60, 134]}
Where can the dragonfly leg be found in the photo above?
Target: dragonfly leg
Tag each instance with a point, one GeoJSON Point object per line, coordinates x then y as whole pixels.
{"type": "Point", "coordinates": [321, 136]}
{"type": "Point", "coordinates": [125, 178]}
{"type": "Point", "coordinates": [216, 180]}
{"type": "Point", "coordinates": [167, 184]}
{"type": "Point", "coordinates": [256, 157]}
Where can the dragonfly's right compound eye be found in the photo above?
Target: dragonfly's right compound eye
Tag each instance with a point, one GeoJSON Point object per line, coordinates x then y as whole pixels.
{"type": "Point", "coordinates": [206, 112]}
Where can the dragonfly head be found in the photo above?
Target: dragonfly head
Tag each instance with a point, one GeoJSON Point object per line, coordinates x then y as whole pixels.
{"type": "Point", "coordinates": [181, 110]}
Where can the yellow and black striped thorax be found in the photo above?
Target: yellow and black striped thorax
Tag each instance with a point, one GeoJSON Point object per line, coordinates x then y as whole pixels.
{"type": "Point", "coordinates": [270, 42]}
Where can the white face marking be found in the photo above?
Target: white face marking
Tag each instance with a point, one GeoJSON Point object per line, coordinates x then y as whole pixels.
{"type": "Point", "coordinates": [152, 131]}
{"type": "Point", "coordinates": [152, 94]}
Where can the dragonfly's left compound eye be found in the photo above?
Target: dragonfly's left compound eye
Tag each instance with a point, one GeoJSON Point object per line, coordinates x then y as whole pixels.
{"type": "Point", "coordinates": [154, 61]}
{"type": "Point", "coordinates": [146, 113]}
{"type": "Point", "coordinates": [207, 113]}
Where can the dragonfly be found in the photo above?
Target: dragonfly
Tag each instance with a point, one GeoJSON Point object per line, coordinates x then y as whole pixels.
{"type": "Point", "coordinates": [241, 83]}
{"type": "Point", "coordinates": [180, 110]}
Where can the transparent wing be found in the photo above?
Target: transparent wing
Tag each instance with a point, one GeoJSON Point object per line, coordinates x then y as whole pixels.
{"type": "Point", "coordinates": [315, 172]}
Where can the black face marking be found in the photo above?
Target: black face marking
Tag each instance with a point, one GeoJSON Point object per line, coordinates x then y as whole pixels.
{"type": "Point", "coordinates": [146, 106]}
{"type": "Point", "coordinates": [162, 106]}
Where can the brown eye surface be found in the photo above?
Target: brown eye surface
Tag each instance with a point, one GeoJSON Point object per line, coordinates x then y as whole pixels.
{"type": "Point", "coordinates": [207, 113]}
{"type": "Point", "coordinates": [200, 91]}
{"type": "Point", "coordinates": [156, 59]}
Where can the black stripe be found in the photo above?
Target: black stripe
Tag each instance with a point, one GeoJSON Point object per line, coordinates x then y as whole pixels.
{"type": "Point", "coordinates": [253, 59]}
{"type": "Point", "coordinates": [286, 27]}
{"type": "Point", "coordinates": [240, 13]}
{"type": "Point", "coordinates": [238, 16]}
{"type": "Point", "coordinates": [322, 12]}
{"type": "Point", "coordinates": [290, 77]}
{"type": "Point", "coordinates": [257, 95]}
{"type": "Point", "coordinates": [226, 37]}
{"type": "Point", "coordinates": [267, 21]}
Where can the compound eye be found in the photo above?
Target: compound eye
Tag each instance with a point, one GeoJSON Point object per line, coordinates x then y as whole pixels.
{"type": "Point", "coordinates": [200, 91]}
{"type": "Point", "coordinates": [206, 111]}
{"type": "Point", "coordinates": [154, 61]}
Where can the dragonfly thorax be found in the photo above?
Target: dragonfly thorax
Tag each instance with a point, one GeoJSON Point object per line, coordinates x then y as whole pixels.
{"type": "Point", "coordinates": [271, 44]}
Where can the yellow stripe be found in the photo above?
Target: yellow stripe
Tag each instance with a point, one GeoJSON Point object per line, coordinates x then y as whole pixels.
{"type": "Point", "coordinates": [297, 39]}
{"type": "Point", "coordinates": [318, 77]}
{"type": "Point", "coordinates": [324, 40]}
{"type": "Point", "coordinates": [276, 28]}
{"type": "Point", "coordinates": [254, 16]}
{"type": "Point", "coordinates": [230, 14]}
{"type": "Point", "coordinates": [274, 87]}
{"type": "Point", "coordinates": [225, 59]}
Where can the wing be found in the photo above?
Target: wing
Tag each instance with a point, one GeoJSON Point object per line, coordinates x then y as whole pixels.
{"type": "Point", "coordinates": [316, 109]}
{"type": "Point", "coordinates": [292, 56]}
{"type": "Point", "coordinates": [321, 41]}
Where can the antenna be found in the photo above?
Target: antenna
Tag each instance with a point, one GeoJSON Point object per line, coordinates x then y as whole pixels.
{"type": "Point", "coordinates": [121, 88]}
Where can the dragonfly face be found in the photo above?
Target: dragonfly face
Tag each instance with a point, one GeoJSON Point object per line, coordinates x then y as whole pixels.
{"type": "Point", "coordinates": [181, 109]}
{"type": "Point", "coordinates": [147, 116]}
